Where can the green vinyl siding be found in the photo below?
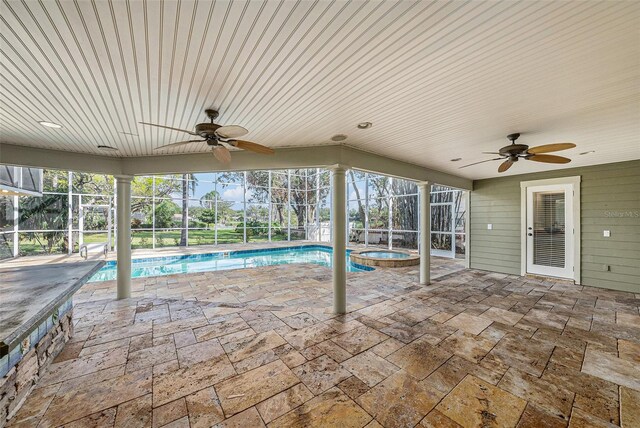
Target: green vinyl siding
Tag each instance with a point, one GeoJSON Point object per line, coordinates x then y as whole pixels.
{"type": "Point", "coordinates": [610, 200]}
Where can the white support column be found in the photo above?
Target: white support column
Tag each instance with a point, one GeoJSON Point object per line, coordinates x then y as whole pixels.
{"type": "Point", "coordinates": [123, 193]}
{"type": "Point", "coordinates": [425, 232]}
{"type": "Point", "coordinates": [339, 229]}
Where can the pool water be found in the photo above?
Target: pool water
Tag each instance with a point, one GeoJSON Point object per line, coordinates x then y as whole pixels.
{"type": "Point", "coordinates": [385, 255]}
{"type": "Point", "coordinates": [159, 266]}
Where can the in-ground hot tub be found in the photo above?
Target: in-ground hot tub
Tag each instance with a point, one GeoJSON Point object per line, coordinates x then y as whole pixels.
{"type": "Point", "coordinates": [384, 258]}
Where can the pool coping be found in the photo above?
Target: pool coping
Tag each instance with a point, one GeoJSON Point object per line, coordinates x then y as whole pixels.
{"type": "Point", "coordinates": [225, 253]}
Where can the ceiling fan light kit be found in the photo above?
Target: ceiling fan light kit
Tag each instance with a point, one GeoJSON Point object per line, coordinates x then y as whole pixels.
{"type": "Point", "coordinates": [217, 137]}
{"type": "Point", "coordinates": [513, 152]}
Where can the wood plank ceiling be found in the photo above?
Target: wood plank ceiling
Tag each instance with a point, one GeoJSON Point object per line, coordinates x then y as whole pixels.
{"type": "Point", "coordinates": [438, 80]}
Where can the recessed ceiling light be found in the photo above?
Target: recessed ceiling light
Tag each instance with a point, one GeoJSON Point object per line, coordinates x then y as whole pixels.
{"type": "Point", "coordinates": [456, 159]}
{"type": "Point", "coordinates": [365, 125]}
{"type": "Point", "coordinates": [339, 137]}
{"type": "Point", "coordinates": [589, 152]}
{"type": "Point", "coordinates": [103, 147]}
{"type": "Point", "coordinates": [50, 124]}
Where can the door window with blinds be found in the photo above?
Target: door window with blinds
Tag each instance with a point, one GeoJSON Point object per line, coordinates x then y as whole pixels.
{"type": "Point", "coordinates": [549, 231]}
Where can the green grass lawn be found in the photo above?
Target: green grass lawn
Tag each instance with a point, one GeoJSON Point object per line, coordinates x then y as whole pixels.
{"type": "Point", "coordinates": [171, 238]}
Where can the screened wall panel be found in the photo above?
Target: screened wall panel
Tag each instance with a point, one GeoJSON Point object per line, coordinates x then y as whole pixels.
{"type": "Point", "coordinates": [168, 210]}
{"type": "Point", "coordinates": [216, 208]}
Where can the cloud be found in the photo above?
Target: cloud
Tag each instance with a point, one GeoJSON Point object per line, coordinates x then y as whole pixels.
{"type": "Point", "coordinates": [235, 193]}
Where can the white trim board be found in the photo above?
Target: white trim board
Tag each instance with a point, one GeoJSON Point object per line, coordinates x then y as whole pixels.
{"type": "Point", "coordinates": [573, 181]}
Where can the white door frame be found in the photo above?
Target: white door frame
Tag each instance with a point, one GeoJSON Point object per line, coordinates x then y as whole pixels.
{"type": "Point", "coordinates": [567, 271]}
{"type": "Point", "coordinates": [575, 183]}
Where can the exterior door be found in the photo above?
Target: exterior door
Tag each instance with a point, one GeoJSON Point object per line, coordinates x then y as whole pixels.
{"type": "Point", "coordinates": [550, 230]}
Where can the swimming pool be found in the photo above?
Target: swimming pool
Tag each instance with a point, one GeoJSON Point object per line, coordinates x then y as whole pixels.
{"type": "Point", "coordinates": [159, 266]}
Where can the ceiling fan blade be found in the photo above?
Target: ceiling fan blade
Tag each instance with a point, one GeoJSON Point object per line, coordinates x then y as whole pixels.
{"type": "Point", "coordinates": [180, 143]}
{"type": "Point", "coordinates": [252, 147]}
{"type": "Point", "coordinates": [549, 159]}
{"type": "Point", "coordinates": [476, 163]}
{"type": "Point", "coordinates": [505, 165]}
{"type": "Point", "coordinates": [169, 127]}
{"type": "Point", "coordinates": [231, 131]}
{"type": "Point", "coordinates": [491, 153]}
{"type": "Point", "coordinates": [222, 154]}
{"type": "Point", "coordinates": [550, 148]}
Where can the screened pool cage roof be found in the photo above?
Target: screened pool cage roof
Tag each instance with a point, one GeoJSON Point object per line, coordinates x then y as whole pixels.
{"type": "Point", "coordinates": [19, 181]}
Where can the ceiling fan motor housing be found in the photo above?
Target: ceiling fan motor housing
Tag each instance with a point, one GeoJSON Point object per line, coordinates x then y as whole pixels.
{"type": "Point", "coordinates": [514, 149]}
{"type": "Point", "coordinates": [207, 130]}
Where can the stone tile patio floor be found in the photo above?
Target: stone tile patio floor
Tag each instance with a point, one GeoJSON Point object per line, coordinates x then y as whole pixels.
{"type": "Point", "coordinates": [256, 347]}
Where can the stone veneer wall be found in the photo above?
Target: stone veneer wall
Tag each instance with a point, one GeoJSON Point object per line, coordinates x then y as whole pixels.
{"type": "Point", "coordinates": [20, 379]}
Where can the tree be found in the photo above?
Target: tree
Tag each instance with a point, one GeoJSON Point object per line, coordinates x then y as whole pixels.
{"type": "Point", "coordinates": [49, 212]}
{"type": "Point", "coordinates": [361, 210]}
{"type": "Point", "coordinates": [143, 189]}
{"type": "Point", "coordinates": [379, 209]}
{"type": "Point", "coordinates": [405, 211]}
{"type": "Point", "coordinates": [300, 184]}
{"type": "Point", "coordinates": [441, 218]}
{"type": "Point", "coordinates": [226, 212]}
{"type": "Point", "coordinates": [165, 211]}
{"type": "Point", "coordinates": [207, 216]}
{"type": "Point", "coordinates": [208, 200]}
{"type": "Point", "coordinates": [257, 214]}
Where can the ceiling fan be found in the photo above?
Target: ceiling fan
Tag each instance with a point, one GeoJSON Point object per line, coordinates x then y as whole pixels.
{"type": "Point", "coordinates": [217, 137]}
{"type": "Point", "coordinates": [513, 152]}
